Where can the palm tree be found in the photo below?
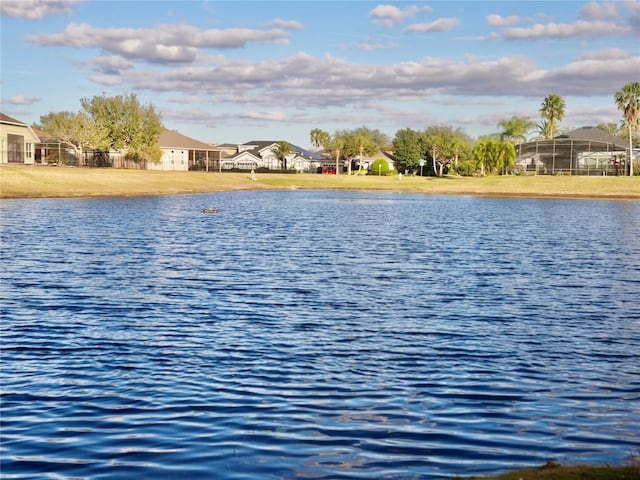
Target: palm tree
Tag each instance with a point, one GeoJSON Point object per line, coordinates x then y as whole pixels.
{"type": "Point", "coordinates": [515, 129]}
{"type": "Point", "coordinates": [282, 150]}
{"type": "Point", "coordinates": [552, 110]}
{"type": "Point", "coordinates": [496, 155]}
{"type": "Point", "coordinates": [319, 138]}
{"type": "Point", "coordinates": [336, 146]}
{"type": "Point", "coordinates": [544, 130]}
{"type": "Point", "coordinates": [628, 101]}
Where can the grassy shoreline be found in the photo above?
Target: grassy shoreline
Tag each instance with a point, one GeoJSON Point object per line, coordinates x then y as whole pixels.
{"type": "Point", "coordinates": [554, 471]}
{"type": "Point", "coordinates": [56, 182]}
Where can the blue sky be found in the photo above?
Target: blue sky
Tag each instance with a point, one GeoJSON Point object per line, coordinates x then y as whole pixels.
{"type": "Point", "coordinates": [230, 72]}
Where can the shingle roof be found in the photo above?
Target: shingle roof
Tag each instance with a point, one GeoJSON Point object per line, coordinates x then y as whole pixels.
{"type": "Point", "coordinates": [7, 119]}
{"type": "Point", "coordinates": [44, 136]}
{"type": "Point", "coordinates": [173, 139]}
{"type": "Point", "coordinates": [594, 134]}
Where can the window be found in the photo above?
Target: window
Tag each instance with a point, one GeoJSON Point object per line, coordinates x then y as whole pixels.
{"type": "Point", "coordinates": [15, 148]}
{"type": "Point", "coordinates": [29, 150]}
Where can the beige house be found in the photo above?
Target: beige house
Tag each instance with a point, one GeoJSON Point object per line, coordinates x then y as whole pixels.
{"type": "Point", "coordinates": [182, 153]}
{"type": "Point", "coordinates": [17, 141]}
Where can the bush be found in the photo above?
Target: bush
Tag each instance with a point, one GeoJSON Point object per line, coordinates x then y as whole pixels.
{"type": "Point", "coordinates": [466, 168]}
{"type": "Point", "coordinates": [379, 166]}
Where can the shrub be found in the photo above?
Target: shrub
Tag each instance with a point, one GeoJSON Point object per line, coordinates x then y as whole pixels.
{"type": "Point", "coordinates": [380, 166]}
{"type": "Point", "coordinates": [466, 168]}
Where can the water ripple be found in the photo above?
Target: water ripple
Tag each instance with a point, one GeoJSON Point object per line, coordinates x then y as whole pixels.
{"type": "Point", "coordinates": [316, 335]}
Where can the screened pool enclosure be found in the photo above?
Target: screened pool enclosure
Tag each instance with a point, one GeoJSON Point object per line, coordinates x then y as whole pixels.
{"type": "Point", "coordinates": [585, 151]}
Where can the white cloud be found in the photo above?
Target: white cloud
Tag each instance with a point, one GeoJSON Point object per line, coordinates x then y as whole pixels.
{"type": "Point", "coordinates": [166, 43]}
{"type": "Point", "coordinates": [36, 9]}
{"type": "Point", "coordinates": [592, 76]}
{"type": "Point", "coordinates": [596, 19]}
{"type": "Point", "coordinates": [390, 15]}
{"type": "Point", "coordinates": [440, 25]}
{"type": "Point", "coordinates": [599, 11]}
{"type": "Point", "coordinates": [608, 54]}
{"type": "Point", "coordinates": [581, 28]}
{"type": "Point", "coordinates": [287, 24]}
{"type": "Point", "coordinates": [105, 79]}
{"type": "Point", "coordinates": [374, 46]}
{"type": "Point", "coordinates": [21, 100]}
{"type": "Point", "coordinates": [182, 99]}
{"type": "Point", "coordinates": [303, 81]}
{"type": "Point", "coordinates": [500, 21]}
{"type": "Point", "coordinates": [633, 16]}
{"type": "Point", "coordinates": [192, 115]}
{"type": "Point", "coordinates": [109, 64]}
{"type": "Point", "coordinates": [270, 116]}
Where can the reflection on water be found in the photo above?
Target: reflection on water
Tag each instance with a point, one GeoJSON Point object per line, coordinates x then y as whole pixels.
{"type": "Point", "coordinates": [317, 335]}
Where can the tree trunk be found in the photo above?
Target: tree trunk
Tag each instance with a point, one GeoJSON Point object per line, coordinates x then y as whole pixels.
{"type": "Point", "coordinates": [630, 150]}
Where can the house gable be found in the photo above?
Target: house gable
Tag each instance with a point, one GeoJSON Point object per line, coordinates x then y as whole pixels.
{"type": "Point", "coordinates": [17, 141]}
{"type": "Point", "coordinates": [182, 153]}
{"type": "Point", "coordinates": [244, 160]}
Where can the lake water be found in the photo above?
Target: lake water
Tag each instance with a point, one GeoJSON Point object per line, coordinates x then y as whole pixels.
{"type": "Point", "coordinates": [314, 334]}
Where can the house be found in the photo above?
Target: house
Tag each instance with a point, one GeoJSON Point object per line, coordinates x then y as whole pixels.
{"type": "Point", "coordinates": [261, 154]}
{"type": "Point", "coordinates": [584, 151]}
{"type": "Point", "coordinates": [183, 153]}
{"type": "Point", "coordinates": [17, 141]}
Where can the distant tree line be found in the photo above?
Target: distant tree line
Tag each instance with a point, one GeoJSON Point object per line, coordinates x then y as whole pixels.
{"type": "Point", "coordinates": [440, 150]}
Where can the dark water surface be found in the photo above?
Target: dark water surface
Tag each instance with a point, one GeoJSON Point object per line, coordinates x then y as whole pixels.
{"type": "Point", "coordinates": [310, 334]}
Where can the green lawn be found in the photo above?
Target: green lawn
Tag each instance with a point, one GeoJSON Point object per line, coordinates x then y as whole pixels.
{"type": "Point", "coordinates": [45, 181]}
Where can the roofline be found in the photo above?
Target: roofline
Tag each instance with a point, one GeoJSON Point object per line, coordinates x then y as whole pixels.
{"type": "Point", "coordinates": [24, 125]}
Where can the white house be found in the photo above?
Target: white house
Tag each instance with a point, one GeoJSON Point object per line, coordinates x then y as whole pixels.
{"type": "Point", "coordinates": [263, 155]}
{"type": "Point", "coordinates": [17, 141]}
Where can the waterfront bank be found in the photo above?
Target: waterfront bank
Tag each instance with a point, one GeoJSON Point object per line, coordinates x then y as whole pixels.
{"type": "Point", "coordinates": [57, 182]}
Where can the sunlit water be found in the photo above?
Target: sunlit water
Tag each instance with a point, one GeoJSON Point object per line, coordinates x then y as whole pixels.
{"type": "Point", "coordinates": [310, 334]}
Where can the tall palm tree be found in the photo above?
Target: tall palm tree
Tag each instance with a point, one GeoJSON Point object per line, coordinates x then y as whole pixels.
{"type": "Point", "coordinates": [515, 129]}
{"type": "Point", "coordinates": [628, 101]}
{"type": "Point", "coordinates": [319, 138]}
{"type": "Point", "coordinates": [552, 110]}
{"type": "Point", "coordinates": [282, 150]}
{"type": "Point", "coordinates": [336, 146]}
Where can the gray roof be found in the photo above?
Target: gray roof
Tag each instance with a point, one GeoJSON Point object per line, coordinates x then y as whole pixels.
{"type": "Point", "coordinates": [593, 134]}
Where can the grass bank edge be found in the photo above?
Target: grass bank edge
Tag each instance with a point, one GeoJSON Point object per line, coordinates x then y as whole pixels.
{"type": "Point", "coordinates": [554, 471]}
{"type": "Point", "coordinates": [42, 182]}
